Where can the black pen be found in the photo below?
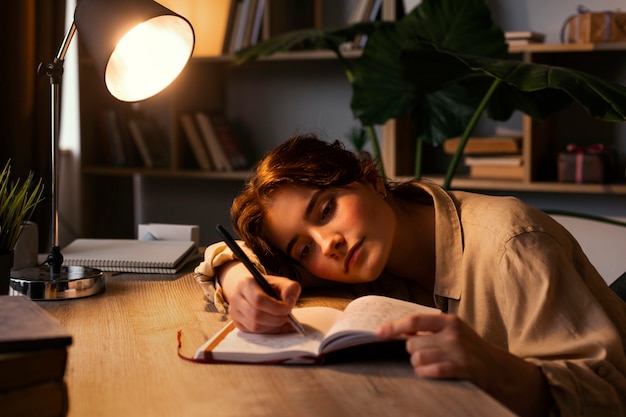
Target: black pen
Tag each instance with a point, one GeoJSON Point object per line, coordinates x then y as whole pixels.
{"type": "Point", "coordinates": [258, 277]}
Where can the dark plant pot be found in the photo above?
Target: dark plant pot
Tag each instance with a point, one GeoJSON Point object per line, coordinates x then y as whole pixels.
{"type": "Point", "coordinates": [6, 263]}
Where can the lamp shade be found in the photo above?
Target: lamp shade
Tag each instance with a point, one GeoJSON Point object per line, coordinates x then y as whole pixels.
{"type": "Point", "coordinates": [139, 46]}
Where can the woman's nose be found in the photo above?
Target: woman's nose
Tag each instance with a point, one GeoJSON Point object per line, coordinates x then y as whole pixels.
{"type": "Point", "coordinates": [332, 245]}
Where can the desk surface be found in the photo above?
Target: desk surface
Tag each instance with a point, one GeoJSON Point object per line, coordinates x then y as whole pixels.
{"type": "Point", "coordinates": [123, 362]}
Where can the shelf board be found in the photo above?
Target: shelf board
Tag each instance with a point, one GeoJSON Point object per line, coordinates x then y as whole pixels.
{"type": "Point", "coordinates": [164, 173]}
{"type": "Point", "coordinates": [534, 186]}
{"type": "Point", "coordinates": [354, 53]}
{"type": "Point", "coordinates": [321, 54]}
{"type": "Point", "coordinates": [457, 183]}
{"type": "Point", "coordinates": [567, 47]}
{"type": "Point", "coordinates": [326, 54]}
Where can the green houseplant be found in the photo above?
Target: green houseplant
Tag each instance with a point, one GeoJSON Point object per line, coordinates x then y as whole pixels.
{"type": "Point", "coordinates": [443, 65]}
{"type": "Point", "coordinates": [17, 203]}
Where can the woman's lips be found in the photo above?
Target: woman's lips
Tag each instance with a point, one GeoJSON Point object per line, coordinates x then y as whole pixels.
{"type": "Point", "coordinates": [353, 256]}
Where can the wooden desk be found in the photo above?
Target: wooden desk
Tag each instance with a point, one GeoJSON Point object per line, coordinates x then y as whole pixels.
{"type": "Point", "coordinates": [124, 362]}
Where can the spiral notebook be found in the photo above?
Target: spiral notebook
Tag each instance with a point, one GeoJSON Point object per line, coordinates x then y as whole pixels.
{"type": "Point", "coordinates": [130, 255]}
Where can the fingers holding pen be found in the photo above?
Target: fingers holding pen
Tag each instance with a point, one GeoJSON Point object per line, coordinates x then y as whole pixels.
{"type": "Point", "coordinates": [287, 289]}
{"type": "Point", "coordinates": [255, 311]}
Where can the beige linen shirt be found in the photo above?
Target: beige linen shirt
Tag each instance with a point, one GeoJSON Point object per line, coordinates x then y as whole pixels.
{"type": "Point", "coordinates": [522, 282]}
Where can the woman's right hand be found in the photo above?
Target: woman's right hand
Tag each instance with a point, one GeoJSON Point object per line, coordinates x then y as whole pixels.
{"type": "Point", "coordinates": [250, 308]}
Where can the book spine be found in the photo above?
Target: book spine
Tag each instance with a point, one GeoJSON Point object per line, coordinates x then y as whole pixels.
{"type": "Point", "coordinates": [114, 134]}
{"type": "Point", "coordinates": [142, 146]}
{"type": "Point", "coordinates": [207, 130]}
{"type": "Point", "coordinates": [488, 144]}
{"type": "Point", "coordinates": [240, 29]}
{"type": "Point", "coordinates": [358, 11]}
{"type": "Point", "coordinates": [195, 141]}
{"type": "Point", "coordinates": [229, 142]}
{"type": "Point", "coordinates": [30, 367]}
{"type": "Point", "coordinates": [46, 399]}
{"type": "Point", "coordinates": [150, 140]}
{"type": "Point", "coordinates": [497, 160]}
{"type": "Point", "coordinates": [247, 32]}
{"type": "Point", "coordinates": [230, 25]}
{"type": "Point", "coordinates": [497, 172]}
{"type": "Point", "coordinates": [256, 25]}
{"type": "Point", "coordinates": [232, 36]}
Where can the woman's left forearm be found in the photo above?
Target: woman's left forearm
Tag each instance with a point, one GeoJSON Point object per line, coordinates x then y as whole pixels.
{"type": "Point", "coordinates": [519, 385]}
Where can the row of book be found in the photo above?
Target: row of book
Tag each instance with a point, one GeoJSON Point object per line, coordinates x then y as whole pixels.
{"type": "Point", "coordinates": [523, 37]}
{"type": "Point", "coordinates": [138, 140]}
{"type": "Point", "coordinates": [243, 27]}
{"type": "Point", "coordinates": [131, 141]}
{"type": "Point", "coordinates": [491, 157]}
{"type": "Point", "coordinates": [364, 11]}
{"type": "Point", "coordinates": [33, 357]}
{"type": "Point", "coordinates": [213, 141]}
{"type": "Point", "coordinates": [249, 21]}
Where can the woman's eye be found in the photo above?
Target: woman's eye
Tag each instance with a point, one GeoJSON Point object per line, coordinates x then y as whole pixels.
{"type": "Point", "coordinates": [304, 252]}
{"type": "Point", "coordinates": [328, 209]}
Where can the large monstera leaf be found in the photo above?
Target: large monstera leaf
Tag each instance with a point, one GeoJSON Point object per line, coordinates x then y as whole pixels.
{"type": "Point", "coordinates": [401, 72]}
{"type": "Point", "coordinates": [539, 90]}
{"type": "Point", "coordinates": [437, 63]}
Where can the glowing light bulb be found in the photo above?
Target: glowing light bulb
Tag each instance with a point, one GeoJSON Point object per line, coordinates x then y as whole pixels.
{"type": "Point", "coordinates": [148, 58]}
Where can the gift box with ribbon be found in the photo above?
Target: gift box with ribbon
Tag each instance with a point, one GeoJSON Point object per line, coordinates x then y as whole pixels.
{"type": "Point", "coordinates": [593, 164]}
{"type": "Point", "coordinates": [588, 26]}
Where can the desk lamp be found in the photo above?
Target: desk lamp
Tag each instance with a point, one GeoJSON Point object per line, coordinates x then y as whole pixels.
{"type": "Point", "coordinates": [139, 47]}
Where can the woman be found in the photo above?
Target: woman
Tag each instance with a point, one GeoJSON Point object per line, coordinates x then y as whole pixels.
{"type": "Point", "coordinates": [527, 317]}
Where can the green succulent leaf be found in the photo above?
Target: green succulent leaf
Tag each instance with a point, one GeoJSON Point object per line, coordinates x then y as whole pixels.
{"type": "Point", "coordinates": [17, 203]}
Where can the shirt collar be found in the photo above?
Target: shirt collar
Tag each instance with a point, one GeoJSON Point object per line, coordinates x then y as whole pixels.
{"type": "Point", "coordinates": [448, 242]}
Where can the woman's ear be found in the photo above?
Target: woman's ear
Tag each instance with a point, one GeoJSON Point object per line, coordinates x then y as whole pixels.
{"type": "Point", "coordinates": [378, 183]}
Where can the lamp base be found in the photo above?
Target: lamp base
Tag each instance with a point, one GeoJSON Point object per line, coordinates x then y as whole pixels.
{"type": "Point", "coordinates": [73, 282]}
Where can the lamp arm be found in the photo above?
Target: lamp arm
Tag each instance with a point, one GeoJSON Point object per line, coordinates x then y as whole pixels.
{"type": "Point", "coordinates": [54, 71]}
{"type": "Point", "coordinates": [66, 42]}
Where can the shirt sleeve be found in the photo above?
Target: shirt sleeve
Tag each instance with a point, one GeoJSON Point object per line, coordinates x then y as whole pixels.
{"type": "Point", "coordinates": [557, 318]}
{"type": "Point", "coordinates": [205, 273]}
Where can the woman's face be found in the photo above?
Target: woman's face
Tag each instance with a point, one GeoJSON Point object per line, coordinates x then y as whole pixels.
{"type": "Point", "coordinates": [341, 234]}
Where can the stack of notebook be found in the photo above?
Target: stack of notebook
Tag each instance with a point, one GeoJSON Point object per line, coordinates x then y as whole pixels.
{"type": "Point", "coordinates": [131, 255]}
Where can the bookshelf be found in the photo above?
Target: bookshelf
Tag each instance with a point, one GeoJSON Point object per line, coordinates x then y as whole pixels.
{"type": "Point", "coordinates": [541, 141]}
{"type": "Point", "coordinates": [113, 197]}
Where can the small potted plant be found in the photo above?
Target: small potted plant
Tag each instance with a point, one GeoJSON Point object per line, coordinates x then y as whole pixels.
{"type": "Point", "coordinates": [17, 203]}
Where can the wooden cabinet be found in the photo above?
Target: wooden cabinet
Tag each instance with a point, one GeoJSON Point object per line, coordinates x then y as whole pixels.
{"type": "Point", "coordinates": [542, 141]}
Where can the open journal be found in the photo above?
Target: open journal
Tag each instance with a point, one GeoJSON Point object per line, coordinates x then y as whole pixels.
{"type": "Point", "coordinates": [327, 330]}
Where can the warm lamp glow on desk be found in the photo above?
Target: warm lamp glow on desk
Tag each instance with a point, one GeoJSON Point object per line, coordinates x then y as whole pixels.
{"type": "Point", "coordinates": [139, 47]}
